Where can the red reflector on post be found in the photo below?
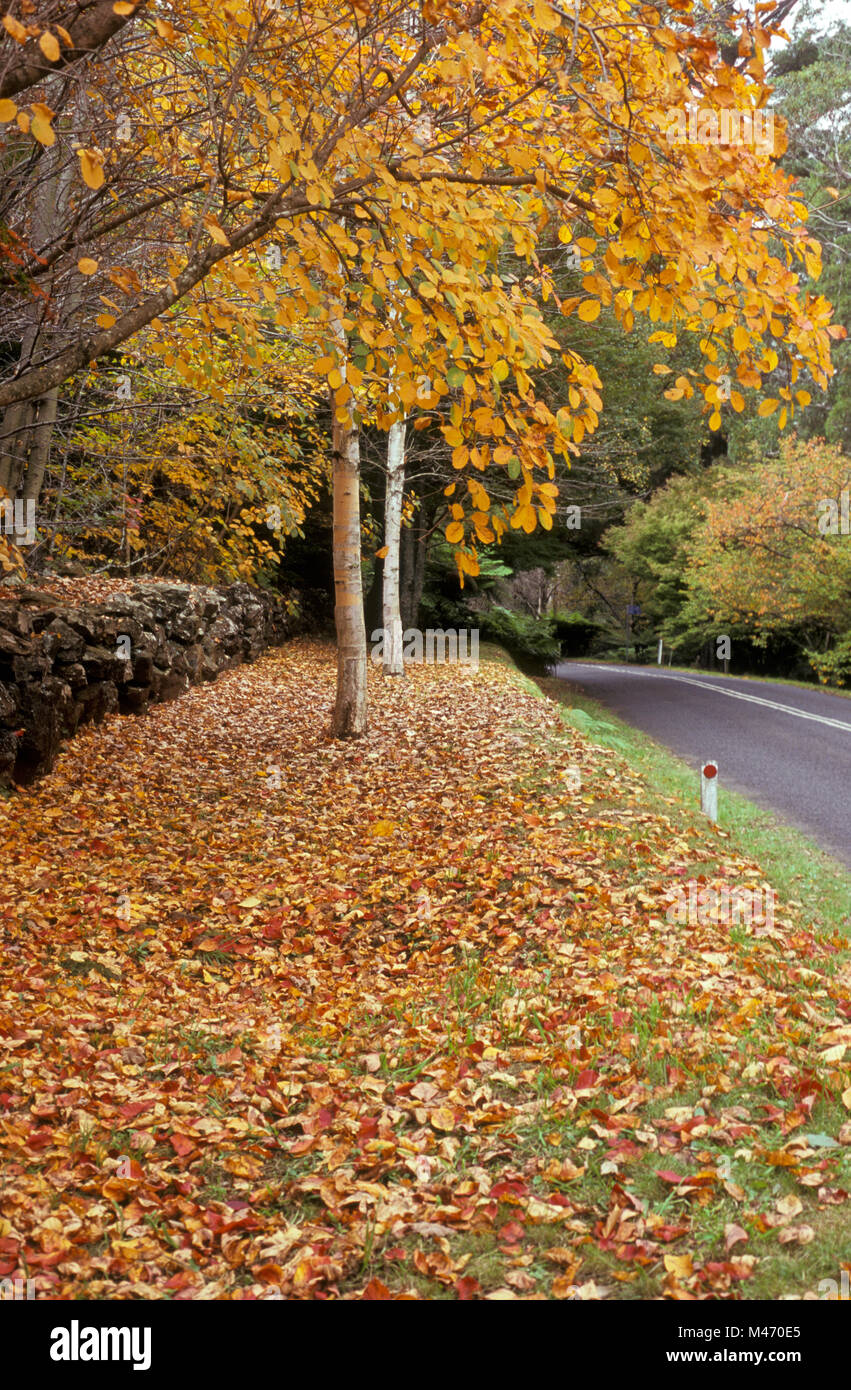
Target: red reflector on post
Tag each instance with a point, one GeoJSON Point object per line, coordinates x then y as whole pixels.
{"type": "Point", "coordinates": [709, 770]}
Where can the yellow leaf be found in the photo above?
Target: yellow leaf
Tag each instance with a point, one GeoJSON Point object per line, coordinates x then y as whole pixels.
{"type": "Point", "coordinates": [500, 370]}
{"type": "Point", "coordinates": [443, 1118]}
{"type": "Point", "coordinates": [49, 45]}
{"type": "Point", "coordinates": [589, 310]}
{"type": "Point", "coordinates": [15, 28]}
{"type": "Point", "coordinates": [767, 407]}
{"type": "Point", "coordinates": [122, 7]}
{"type": "Point", "coordinates": [382, 553]}
{"type": "Point", "coordinates": [43, 131]}
{"type": "Point", "coordinates": [92, 168]}
{"type": "Point", "coordinates": [105, 320]}
{"type": "Point", "coordinates": [165, 29]}
{"type": "Point", "coordinates": [379, 828]}
{"type": "Point", "coordinates": [8, 110]}
{"type": "Point", "coordinates": [679, 1265]}
{"type": "Point", "coordinates": [217, 234]}
{"type": "Point", "coordinates": [87, 266]}
{"type": "Point", "coordinates": [546, 16]}
{"type": "Point", "coordinates": [455, 532]}
{"type": "Point", "coordinates": [525, 516]}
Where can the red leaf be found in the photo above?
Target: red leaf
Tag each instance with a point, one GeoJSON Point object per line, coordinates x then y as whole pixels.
{"type": "Point", "coordinates": [508, 1189]}
{"type": "Point", "coordinates": [40, 1138]}
{"type": "Point", "coordinates": [137, 1107]}
{"type": "Point", "coordinates": [512, 1231]}
{"type": "Point", "coordinates": [376, 1291]}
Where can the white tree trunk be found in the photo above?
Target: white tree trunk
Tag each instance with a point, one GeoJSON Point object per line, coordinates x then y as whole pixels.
{"type": "Point", "coordinates": [394, 664]}
{"type": "Point", "coordinates": [349, 719]}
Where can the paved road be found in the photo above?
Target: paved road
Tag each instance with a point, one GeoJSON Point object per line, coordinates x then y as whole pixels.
{"type": "Point", "coordinates": [785, 748]}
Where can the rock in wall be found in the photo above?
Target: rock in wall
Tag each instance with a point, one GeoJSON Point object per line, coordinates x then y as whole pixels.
{"type": "Point", "coordinates": [63, 666]}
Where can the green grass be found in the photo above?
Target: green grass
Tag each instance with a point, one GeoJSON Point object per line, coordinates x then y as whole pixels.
{"type": "Point", "coordinates": [802, 873]}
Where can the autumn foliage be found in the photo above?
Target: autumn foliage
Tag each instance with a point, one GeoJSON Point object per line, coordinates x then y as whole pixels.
{"type": "Point", "coordinates": [283, 1015]}
{"type": "Point", "coordinates": [385, 157]}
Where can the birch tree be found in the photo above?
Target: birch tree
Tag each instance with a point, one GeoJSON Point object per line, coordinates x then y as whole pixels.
{"type": "Point", "coordinates": [350, 709]}
{"type": "Point", "coordinates": [391, 613]}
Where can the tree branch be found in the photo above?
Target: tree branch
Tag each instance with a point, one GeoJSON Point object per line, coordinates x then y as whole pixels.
{"type": "Point", "coordinates": [93, 27]}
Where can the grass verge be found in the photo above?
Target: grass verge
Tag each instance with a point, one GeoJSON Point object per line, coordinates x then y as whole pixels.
{"type": "Point", "coordinates": [805, 876]}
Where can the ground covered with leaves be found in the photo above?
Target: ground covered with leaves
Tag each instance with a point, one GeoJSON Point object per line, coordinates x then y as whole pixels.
{"type": "Point", "coordinates": [406, 1018]}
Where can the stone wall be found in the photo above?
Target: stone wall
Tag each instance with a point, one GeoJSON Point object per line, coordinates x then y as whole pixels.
{"type": "Point", "coordinates": [63, 666]}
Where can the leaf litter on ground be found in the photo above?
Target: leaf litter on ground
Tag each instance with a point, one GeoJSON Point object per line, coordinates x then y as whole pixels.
{"type": "Point", "coordinates": [401, 1018]}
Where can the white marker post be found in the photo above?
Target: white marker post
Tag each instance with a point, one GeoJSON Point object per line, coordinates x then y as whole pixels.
{"type": "Point", "coordinates": [709, 791]}
{"type": "Point", "coordinates": [659, 657]}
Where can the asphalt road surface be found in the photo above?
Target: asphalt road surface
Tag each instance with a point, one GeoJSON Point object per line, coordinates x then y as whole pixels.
{"type": "Point", "coordinates": [785, 748]}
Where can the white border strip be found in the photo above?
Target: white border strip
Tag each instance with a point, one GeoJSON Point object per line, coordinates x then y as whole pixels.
{"type": "Point", "coordinates": [718, 690]}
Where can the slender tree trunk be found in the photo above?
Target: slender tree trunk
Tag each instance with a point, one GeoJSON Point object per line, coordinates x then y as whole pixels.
{"type": "Point", "coordinates": [420, 551]}
{"type": "Point", "coordinates": [17, 421]}
{"type": "Point", "coordinates": [350, 710]}
{"type": "Point", "coordinates": [27, 428]}
{"type": "Point", "coordinates": [372, 600]}
{"type": "Point", "coordinates": [406, 551]}
{"type": "Point", "coordinates": [14, 433]}
{"type": "Point", "coordinates": [40, 444]}
{"type": "Point", "coordinates": [414, 549]}
{"type": "Point", "coordinates": [394, 664]}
